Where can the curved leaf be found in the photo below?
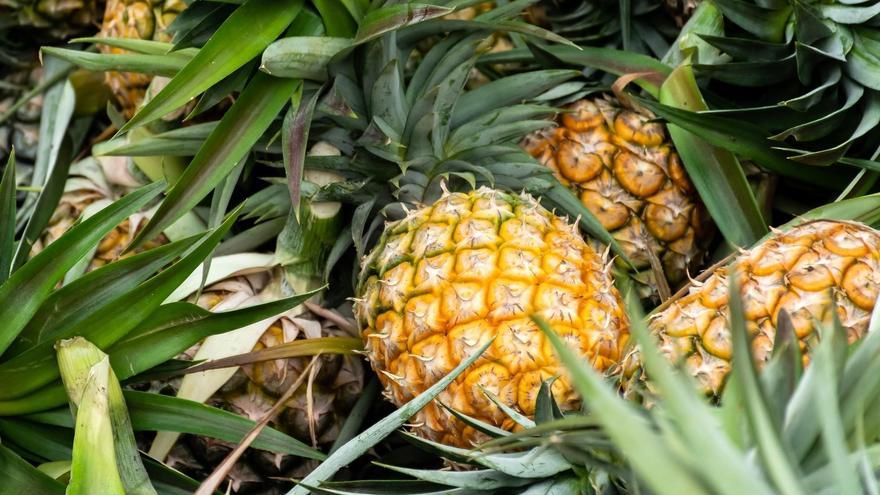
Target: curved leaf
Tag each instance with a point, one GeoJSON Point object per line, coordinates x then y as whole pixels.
{"type": "Point", "coordinates": [243, 36]}
{"type": "Point", "coordinates": [20, 477]}
{"type": "Point", "coordinates": [715, 172]}
{"type": "Point", "coordinates": [242, 125]}
{"type": "Point", "coordinates": [27, 288]}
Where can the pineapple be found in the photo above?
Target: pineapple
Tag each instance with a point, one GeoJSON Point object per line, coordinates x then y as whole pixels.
{"type": "Point", "coordinates": [625, 171]}
{"type": "Point", "coordinates": [135, 19]}
{"type": "Point", "coordinates": [473, 267]}
{"type": "Point", "coordinates": [809, 271]}
{"type": "Point", "coordinates": [313, 415]}
{"type": "Point", "coordinates": [94, 183]}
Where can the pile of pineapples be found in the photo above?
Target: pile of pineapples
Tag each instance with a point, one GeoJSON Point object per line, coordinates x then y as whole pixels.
{"type": "Point", "coordinates": [349, 247]}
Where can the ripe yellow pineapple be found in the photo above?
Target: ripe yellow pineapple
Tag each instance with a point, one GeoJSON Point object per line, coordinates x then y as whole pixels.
{"type": "Point", "coordinates": [469, 268]}
{"type": "Point", "coordinates": [135, 19]}
{"type": "Point", "coordinates": [806, 271]}
{"type": "Point", "coordinates": [626, 172]}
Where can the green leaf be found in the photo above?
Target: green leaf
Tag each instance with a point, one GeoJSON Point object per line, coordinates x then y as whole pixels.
{"type": "Point", "coordinates": [753, 74]}
{"type": "Point", "coordinates": [777, 459]}
{"type": "Point", "coordinates": [716, 174]}
{"type": "Point", "coordinates": [484, 479]}
{"type": "Point", "coordinates": [7, 217]}
{"type": "Point", "coordinates": [27, 288]}
{"type": "Point", "coordinates": [765, 23]}
{"type": "Point", "coordinates": [175, 327]}
{"type": "Point", "coordinates": [45, 205]}
{"type": "Point", "coordinates": [242, 125]}
{"type": "Point", "coordinates": [389, 18]}
{"type": "Point", "coordinates": [148, 47]}
{"type": "Point", "coordinates": [185, 141]}
{"type": "Point", "coordinates": [848, 14]}
{"type": "Point", "coordinates": [646, 449]}
{"type": "Point", "coordinates": [652, 72]}
{"type": "Point", "coordinates": [372, 435]}
{"type": "Point", "coordinates": [33, 368]}
{"type": "Point", "coordinates": [863, 65]}
{"type": "Point", "coordinates": [155, 412]}
{"type": "Point", "coordinates": [74, 302]}
{"type": "Point", "coordinates": [241, 37]}
{"type": "Point", "coordinates": [302, 57]}
{"type": "Point", "coordinates": [336, 18]}
{"type": "Point", "coordinates": [20, 477]}
{"type": "Point", "coordinates": [507, 91]}
{"type": "Point", "coordinates": [166, 65]}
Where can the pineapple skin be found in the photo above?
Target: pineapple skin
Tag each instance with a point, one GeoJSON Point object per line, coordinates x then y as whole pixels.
{"type": "Point", "coordinates": [469, 268]}
{"type": "Point", "coordinates": [808, 271]}
{"type": "Point", "coordinates": [135, 19]}
{"type": "Point", "coordinates": [626, 172]}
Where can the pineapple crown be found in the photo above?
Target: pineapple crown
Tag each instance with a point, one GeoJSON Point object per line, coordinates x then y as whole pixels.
{"type": "Point", "coordinates": [641, 26]}
{"type": "Point", "coordinates": [815, 63]}
{"type": "Point", "coordinates": [409, 121]}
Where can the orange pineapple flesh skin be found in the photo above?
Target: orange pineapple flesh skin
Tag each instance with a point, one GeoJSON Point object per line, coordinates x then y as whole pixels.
{"type": "Point", "coordinates": [807, 271]}
{"type": "Point", "coordinates": [470, 268]}
{"type": "Point", "coordinates": [626, 172]}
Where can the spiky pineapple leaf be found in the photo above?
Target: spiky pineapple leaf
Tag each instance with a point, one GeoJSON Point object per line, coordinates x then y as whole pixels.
{"type": "Point", "coordinates": [19, 476]}
{"type": "Point", "coordinates": [361, 443]}
{"type": "Point", "coordinates": [35, 367]}
{"type": "Point", "coordinates": [168, 481]}
{"type": "Point", "coordinates": [27, 288]}
{"type": "Point", "coordinates": [7, 217]}
{"type": "Point", "coordinates": [645, 448]}
{"type": "Point", "coordinates": [43, 207]}
{"type": "Point", "coordinates": [59, 101]}
{"type": "Point", "coordinates": [249, 29]}
{"type": "Point", "coordinates": [175, 327]}
{"type": "Point", "coordinates": [765, 23]}
{"type": "Point", "coordinates": [778, 462]}
{"type": "Point", "coordinates": [147, 47]}
{"type": "Point", "coordinates": [388, 18]}
{"type": "Point", "coordinates": [156, 65]}
{"type": "Point", "coordinates": [651, 72]}
{"type": "Point", "coordinates": [184, 141]}
{"type": "Point", "coordinates": [533, 464]}
{"type": "Point", "coordinates": [75, 301]}
{"type": "Point", "coordinates": [482, 479]}
{"type": "Point", "coordinates": [229, 142]}
{"type": "Point", "coordinates": [507, 91]}
{"type": "Point", "coordinates": [297, 348]}
{"type": "Point", "coordinates": [715, 172]}
{"type": "Point", "coordinates": [491, 430]}
{"type": "Point", "coordinates": [155, 412]}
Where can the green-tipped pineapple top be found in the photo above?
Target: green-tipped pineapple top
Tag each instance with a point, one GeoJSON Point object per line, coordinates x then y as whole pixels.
{"type": "Point", "coordinates": [808, 71]}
